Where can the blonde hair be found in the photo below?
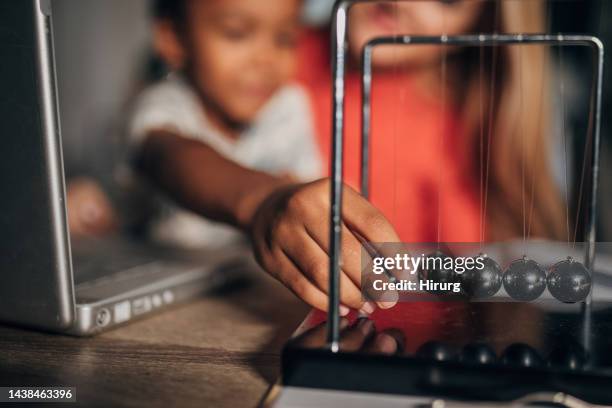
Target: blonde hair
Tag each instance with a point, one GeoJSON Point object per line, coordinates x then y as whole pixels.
{"type": "Point", "coordinates": [521, 196]}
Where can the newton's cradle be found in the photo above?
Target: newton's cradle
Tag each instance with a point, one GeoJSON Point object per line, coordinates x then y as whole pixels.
{"type": "Point", "coordinates": [329, 367]}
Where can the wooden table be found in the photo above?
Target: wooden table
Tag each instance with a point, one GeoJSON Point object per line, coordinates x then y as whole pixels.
{"type": "Point", "coordinates": [219, 351]}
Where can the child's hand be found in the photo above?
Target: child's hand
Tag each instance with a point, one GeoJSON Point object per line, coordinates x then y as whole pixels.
{"type": "Point", "coordinates": [89, 210]}
{"type": "Point", "coordinates": [290, 232]}
{"type": "Point", "coordinates": [288, 222]}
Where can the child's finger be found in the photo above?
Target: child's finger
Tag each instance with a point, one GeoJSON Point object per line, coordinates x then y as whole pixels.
{"type": "Point", "coordinates": [353, 256]}
{"type": "Point", "coordinates": [291, 277]}
{"type": "Point", "coordinates": [363, 218]}
{"type": "Point", "coordinates": [313, 262]}
{"type": "Point", "coordinates": [369, 225]}
{"type": "Point", "coordinates": [352, 259]}
{"type": "Point", "coordinates": [374, 288]}
{"type": "Point", "coordinates": [351, 249]}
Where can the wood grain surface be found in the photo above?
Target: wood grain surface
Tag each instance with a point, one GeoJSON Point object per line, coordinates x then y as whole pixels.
{"type": "Point", "coordinates": [217, 351]}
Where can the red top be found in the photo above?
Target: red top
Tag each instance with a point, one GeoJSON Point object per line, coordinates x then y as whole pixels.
{"type": "Point", "coordinates": [418, 161]}
{"type": "Point", "coordinates": [419, 165]}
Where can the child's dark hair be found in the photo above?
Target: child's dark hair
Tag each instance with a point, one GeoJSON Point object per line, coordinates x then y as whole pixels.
{"type": "Point", "coordinates": [173, 10]}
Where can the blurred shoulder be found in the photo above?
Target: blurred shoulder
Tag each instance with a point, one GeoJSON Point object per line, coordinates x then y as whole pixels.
{"type": "Point", "coordinates": [289, 102]}
{"type": "Point", "coordinates": [170, 91]}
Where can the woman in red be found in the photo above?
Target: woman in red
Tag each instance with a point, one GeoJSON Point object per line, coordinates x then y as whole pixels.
{"type": "Point", "coordinates": [428, 136]}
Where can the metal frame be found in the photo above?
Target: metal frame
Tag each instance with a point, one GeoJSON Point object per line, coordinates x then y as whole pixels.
{"type": "Point", "coordinates": [339, 54]}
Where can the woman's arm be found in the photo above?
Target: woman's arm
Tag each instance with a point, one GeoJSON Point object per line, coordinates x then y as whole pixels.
{"type": "Point", "coordinates": [287, 222]}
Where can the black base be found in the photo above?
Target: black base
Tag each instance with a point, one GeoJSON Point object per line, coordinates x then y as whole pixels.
{"type": "Point", "coordinates": [322, 369]}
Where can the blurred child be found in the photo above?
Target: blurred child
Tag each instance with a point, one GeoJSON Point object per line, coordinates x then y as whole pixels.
{"type": "Point", "coordinates": [230, 87]}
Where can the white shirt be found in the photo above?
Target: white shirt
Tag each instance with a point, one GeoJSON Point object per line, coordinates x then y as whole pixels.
{"type": "Point", "coordinates": [281, 140]}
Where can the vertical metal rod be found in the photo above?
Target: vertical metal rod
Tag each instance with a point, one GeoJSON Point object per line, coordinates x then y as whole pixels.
{"type": "Point", "coordinates": [339, 48]}
{"type": "Point", "coordinates": [366, 119]}
{"type": "Point", "coordinates": [591, 216]}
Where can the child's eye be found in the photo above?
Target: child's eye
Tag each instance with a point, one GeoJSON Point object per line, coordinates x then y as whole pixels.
{"type": "Point", "coordinates": [235, 33]}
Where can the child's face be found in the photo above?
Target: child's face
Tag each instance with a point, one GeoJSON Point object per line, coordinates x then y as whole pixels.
{"type": "Point", "coordinates": [239, 52]}
{"type": "Point", "coordinates": [372, 20]}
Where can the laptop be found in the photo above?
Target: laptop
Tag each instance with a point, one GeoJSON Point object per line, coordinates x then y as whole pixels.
{"type": "Point", "coordinates": [46, 282]}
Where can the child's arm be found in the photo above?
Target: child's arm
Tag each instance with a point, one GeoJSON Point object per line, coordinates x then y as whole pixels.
{"type": "Point", "coordinates": [288, 222]}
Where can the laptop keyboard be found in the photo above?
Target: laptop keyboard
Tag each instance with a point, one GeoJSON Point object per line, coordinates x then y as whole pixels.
{"type": "Point", "coordinates": [95, 259]}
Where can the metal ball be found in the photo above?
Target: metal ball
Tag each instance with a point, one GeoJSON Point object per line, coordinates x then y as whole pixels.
{"type": "Point", "coordinates": [524, 280]}
{"type": "Point", "coordinates": [569, 281]}
{"type": "Point", "coordinates": [521, 355]}
{"type": "Point", "coordinates": [440, 275]}
{"type": "Point", "coordinates": [482, 283]}
{"type": "Point", "coordinates": [568, 355]}
{"type": "Point", "coordinates": [436, 350]}
{"type": "Point", "coordinates": [478, 353]}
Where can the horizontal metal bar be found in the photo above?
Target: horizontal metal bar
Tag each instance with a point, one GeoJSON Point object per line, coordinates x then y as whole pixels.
{"type": "Point", "coordinates": [490, 40]}
{"type": "Point", "coordinates": [457, 40]}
